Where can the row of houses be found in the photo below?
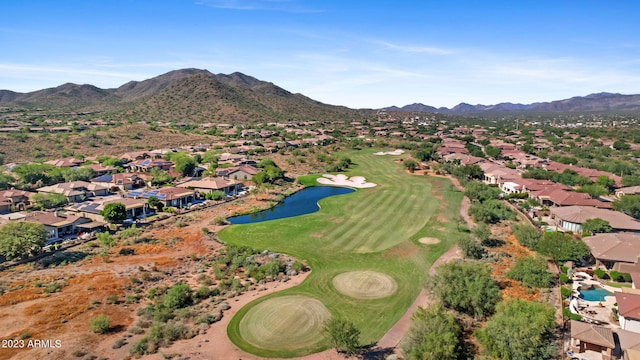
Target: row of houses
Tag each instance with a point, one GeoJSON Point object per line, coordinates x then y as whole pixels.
{"type": "Point", "coordinates": [569, 211]}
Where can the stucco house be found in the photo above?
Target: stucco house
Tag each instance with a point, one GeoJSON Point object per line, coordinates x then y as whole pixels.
{"type": "Point", "coordinates": [615, 249]}
{"type": "Point", "coordinates": [210, 184]}
{"type": "Point", "coordinates": [629, 311]}
{"type": "Point", "coordinates": [571, 218]}
{"type": "Point", "coordinates": [589, 337]}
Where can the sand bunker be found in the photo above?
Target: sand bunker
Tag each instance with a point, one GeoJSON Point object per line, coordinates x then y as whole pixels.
{"type": "Point", "coordinates": [365, 284]}
{"type": "Point", "coordinates": [342, 180]}
{"type": "Point", "coordinates": [394, 152]}
{"type": "Point", "coordinates": [429, 240]}
{"type": "Point", "coordinates": [285, 323]}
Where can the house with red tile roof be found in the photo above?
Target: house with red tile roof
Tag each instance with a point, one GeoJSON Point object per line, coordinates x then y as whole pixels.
{"type": "Point", "coordinates": [613, 250]}
{"type": "Point", "coordinates": [629, 311]}
{"type": "Point", "coordinates": [571, 218]}
{"type": "Point", "coordinates": [589, 337]}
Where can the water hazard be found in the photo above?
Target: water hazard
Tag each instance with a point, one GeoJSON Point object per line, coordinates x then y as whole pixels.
{"type": "Point", "coordinates": [303, 202]}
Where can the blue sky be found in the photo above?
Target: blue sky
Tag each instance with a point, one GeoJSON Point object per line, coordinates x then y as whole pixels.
{"type": "Point", "coordinates": [361, 54]}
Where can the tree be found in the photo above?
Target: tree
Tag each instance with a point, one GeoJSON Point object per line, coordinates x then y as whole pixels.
{"type": "Point", "coordinates": [185, 165]}
{"type": "Point", "coordinates": [477, 191]}
{"type": "Point", "coordinates": [491, 212]}
{"type": "Point", "coordinates": [155, 203]}
{"type": "Point", "coordinates": [621, 145]}
{"type": "Point", "coordinates": [434, 334]}
{"type": "Point", "coordinates": [5, 181]}
{"type": "Point", "coordinates": [470, 247]}
{"type": "Point", "coordinates": [519, 330]}
{"type": "Point", "coordinates": [526, 235]}
{"type": "Point", "coordinates": [594, 190]}
{"type": "Point", "coordinates": [410, 165]}
{"type": "Point", "coordinates": [19, 239]}
{"type": "Point", "coordinates": [343, 335]}
{"type": "Point", "coordinates": [160, 177]}
{"type": "Point", "coordinates": [466, 287]}
{"type": "Point", "coordinates": [178, 296]}
{"type": "Point", "coordinates": [628, 204]}
{"type": "Point", "coordinates": [562, 247]}
{"type": "Point", "coordinates": [594, 226]}
{"type": "Point", "coordinates": [114, 212]}
{"type": "Point", "coordinates": [493, 152]}
{"type": "Point", "coordinates": [49, 200]}
{"type": "Point", "coordinates": [531, 271]}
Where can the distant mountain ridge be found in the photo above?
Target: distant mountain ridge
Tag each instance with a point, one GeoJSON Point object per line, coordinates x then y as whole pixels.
{"type": "Point", "coordinates": [600, 102]}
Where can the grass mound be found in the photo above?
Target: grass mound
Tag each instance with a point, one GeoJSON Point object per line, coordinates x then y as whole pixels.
{"type": "Point", "coordinates": [365, 284]}
{"type": "Point", "coordinates": [287, 322]}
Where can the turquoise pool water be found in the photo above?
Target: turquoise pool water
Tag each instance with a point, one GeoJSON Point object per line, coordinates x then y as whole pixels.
{"type": "Point", "coordinates": [595, 294]}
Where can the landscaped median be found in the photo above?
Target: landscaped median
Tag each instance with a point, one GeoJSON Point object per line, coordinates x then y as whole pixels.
{"type": "Point", "coordinates": [370, 235]}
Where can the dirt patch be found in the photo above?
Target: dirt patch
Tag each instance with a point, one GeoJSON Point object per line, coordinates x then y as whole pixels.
{"type": "Point", "coordinates": [365, 284]}
{"type": "Point", "coordinates": [286, 322]}
{"type": "Point", "coordinates": [429, 240]}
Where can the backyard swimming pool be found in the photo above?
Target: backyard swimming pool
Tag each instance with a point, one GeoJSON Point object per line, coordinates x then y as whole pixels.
{"type": "Point", "coordinates": [594, 293]}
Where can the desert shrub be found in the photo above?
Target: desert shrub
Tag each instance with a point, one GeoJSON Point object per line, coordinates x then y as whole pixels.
{"type": "Point", "coordinates": [564, 279]}
{"type": "Point", "coordinates": [100, 324]}
{"type": "Point", "coordinates": [565, 292]}
{"type": "Point", "coordinates": [118, 344]}
{"type": "Point", "coordinates": [466, 287]}
{"type": "Point", "coordinates": [434, 334]}
{"type": "Point", "coordinates": [203, 292]}
{"type": "Point", "coordinates": [471, 248]}
{"type": "Point", "coordinates": [178, 296]}
{"type": "Point", "coordinates": [526, 235]}
{"type": "Point", "coordinates": [531, 271]}
{"type": "Point", "coordinates": [519, 330]}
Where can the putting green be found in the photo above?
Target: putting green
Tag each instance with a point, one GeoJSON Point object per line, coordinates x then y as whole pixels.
{"type": "Point", "coordinates": [365, 284]}
{"type": "Point", "coordinates": [286, 322]}
{"type": "Point", "coordinates": [370, 229]}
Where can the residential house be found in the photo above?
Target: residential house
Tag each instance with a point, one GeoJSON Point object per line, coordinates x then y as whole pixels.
{"type": "Point", "coordinates": [242, 172]}
{"type": "Point", "coordinates": [463, 159]}
{"type": "Point", "coordinates": [121, 181]}
{"type": "Point", "coordinates": [629, 344]}
{"type": "Point", "coordinates": [133, 156]}
{"type": "Point", "coordinates": [588, 337]}
{"type": "Point", "coordinates": [592, 174]}
{"type": "Point", "coordinates": [66, 162]}
{"type": "Point", "coordinates": [571, 218]}
{"type": "Point", "coordinates": [136, 208]}
{"type": "Point", "coordinates": [14, 200]}
{"type": "Point", "coordinates": [562, 197]}
{"type": "Point", "coordinates": [210, 184]}
{"type": "Point", "coordinates": [498, 173]}
{"type": "Point", "coordinates": [629, 190]}
{"type": "Point", "coordinates": [629, 311]}
{"type": "Point", "coordinates": [57, 224]}
{"type": "Point", "coordinates": [168, 196]}
{"type": "Point", "coordinates": [146, 165]}
{"type": "Point", "coordinates": [614, 249]}
{"type": "Point", "coordinates": [99, 169]}
{"type": "Point", "coordinates": [75, 191]}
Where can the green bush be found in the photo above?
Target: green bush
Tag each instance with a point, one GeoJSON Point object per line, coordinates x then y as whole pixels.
{"type": "Point", "coordinates": [100, 324]}
{"type": "Point", "coordinates": [178, 296]}
{"type": "Point", "coordinates": [566, 292]}
{"type": "Point", "coordinates": [564, 279]}
{"type": "Point", "coordinates": [601, 274]}
{"type": "Point", "coordinates": [620, 277]}
{"type": "Point", "coordinates": [531, 271]}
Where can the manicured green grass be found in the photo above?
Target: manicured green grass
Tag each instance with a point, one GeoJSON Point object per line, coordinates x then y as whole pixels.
{"type": "Point", "coordinates": [371, 229]}
{"type": "Point", "coordinates": [618, 284]}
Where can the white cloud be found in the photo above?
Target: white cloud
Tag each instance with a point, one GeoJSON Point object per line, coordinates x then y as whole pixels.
{"type": "Point", "coordinates": [289, 6]}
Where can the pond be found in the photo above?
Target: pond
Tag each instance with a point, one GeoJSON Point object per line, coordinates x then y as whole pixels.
{"type": "Point", "coordinates": [303, 202]}
{"type": "Point", "coordinates": [594, 293]}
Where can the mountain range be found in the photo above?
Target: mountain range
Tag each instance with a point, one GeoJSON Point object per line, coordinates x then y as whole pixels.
{"type": "Point", "coordinates": [189, 95]}
{"type": "Point", "coordinates": [194, 95]}
{"type": "Point", "coordinates": [600, 102]}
